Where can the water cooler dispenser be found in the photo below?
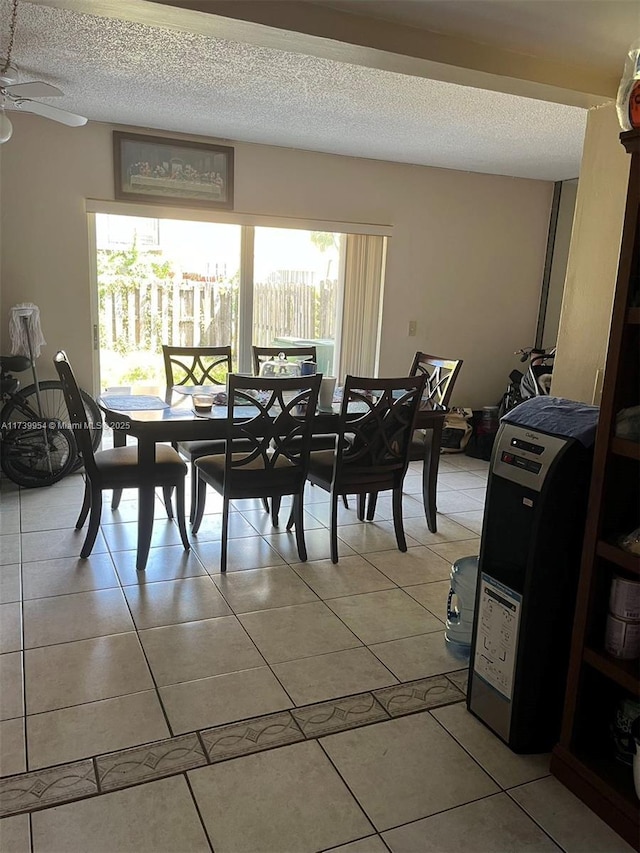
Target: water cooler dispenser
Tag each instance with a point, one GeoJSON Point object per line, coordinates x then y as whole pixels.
{"type": "Point", "coordinates": [528, 570]}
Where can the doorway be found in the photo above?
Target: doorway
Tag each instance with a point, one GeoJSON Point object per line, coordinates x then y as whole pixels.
{"type": "Point", "coordinates": [186, 282]}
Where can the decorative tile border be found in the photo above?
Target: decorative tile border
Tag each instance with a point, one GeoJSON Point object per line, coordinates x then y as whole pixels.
{"type": "Point", "coordinates": [153, 761]}
{"type": "Point", "coordinates": [339, 714]}
{"type": "Point", "coordinates": [460, 678]}
{"type": "Point", "coordinates": [249, 736]}
{"type": "Point", "coordinates": [418, 695]}
{"type": "Point", "coordinates": [55, 785]}
{"type": "Point", "coordinates": [64, 783]}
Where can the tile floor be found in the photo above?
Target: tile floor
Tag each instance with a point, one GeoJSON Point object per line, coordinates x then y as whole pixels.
{"type": "Point", "coordinates": [284, 707]}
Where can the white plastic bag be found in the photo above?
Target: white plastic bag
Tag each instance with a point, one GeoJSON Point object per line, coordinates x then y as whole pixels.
{"type": "Point", "coordinates": [628, 100]}
{"type": "Point", "coordinates": [457, 430]}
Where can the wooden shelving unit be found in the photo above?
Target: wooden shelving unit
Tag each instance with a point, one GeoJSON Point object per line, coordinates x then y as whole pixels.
{"type": "Point", "coordinates": [621, 447]}
{"type": "Point", "coordinates": [585, 758]}
{"type": "Point", "coordinates": [628, 562]}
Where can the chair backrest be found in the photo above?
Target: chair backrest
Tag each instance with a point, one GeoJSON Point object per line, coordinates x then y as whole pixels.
{"type": "Point", "coordinates": [273, 418]}
{"type": "Point", "coordinates": [77, 413]}
{"type": "Point", "coordinates": [440, 373]}
{"type": "Point", "coordinates": [376, 422]}
{"type": "Point", "coordinates": [195, 366]}
{"type": "Point", "coordinates": [296, 354]}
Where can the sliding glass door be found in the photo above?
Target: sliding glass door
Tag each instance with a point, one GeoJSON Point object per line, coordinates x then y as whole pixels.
{"type": "Point", "coordinates": [194, 283]}
{"type": "Point", "coordinates": [162, 281]}
{"type": "Point", "coordinates": [296, 290]}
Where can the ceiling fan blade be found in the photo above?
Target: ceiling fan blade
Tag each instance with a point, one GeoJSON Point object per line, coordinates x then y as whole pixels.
{"type": "Point", "coordinates": [64, 117]}
{"type": "Point", "coordinates": [36, 89]}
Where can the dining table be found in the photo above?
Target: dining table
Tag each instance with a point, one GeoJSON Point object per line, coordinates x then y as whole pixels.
{"type": "Point", "coordinates": [152, 420]}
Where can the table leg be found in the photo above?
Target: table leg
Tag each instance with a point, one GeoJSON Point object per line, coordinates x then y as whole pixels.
{"type": "Point", "coordinates": [119, 440]}
{"type": "Point", "coordinates": [146, 498]}
{"type": "Point", "coordinates": [119, 437]}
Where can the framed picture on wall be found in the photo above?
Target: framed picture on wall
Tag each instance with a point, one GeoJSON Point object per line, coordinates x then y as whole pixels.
{"type": "Point", "coordinates": [157, 170]}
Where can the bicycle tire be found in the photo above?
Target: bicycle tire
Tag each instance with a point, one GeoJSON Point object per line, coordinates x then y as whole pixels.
{"type": "Point", "coordinates": [54, 409]}
{"type": "Point", "coordinates": [26, 460]}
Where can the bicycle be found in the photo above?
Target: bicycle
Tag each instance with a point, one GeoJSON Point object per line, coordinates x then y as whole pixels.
{"type": "Point", "coordinates": [37, 448]}
{"type": "Point", "coordinates": [535, 382]}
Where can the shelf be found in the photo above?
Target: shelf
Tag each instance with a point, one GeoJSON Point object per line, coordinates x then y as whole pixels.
{"type": "Point", "coordinates": [622, 447]}
{"type": "Point", "coordinates": [627, 561]}
{"type": "Point", "coordinates": [633, 316]}
{"type": "Point", "coordinates": [623, 672]}
{"type": "Point", "coordinates": [604, 784]}
{"type": "Point", "coordinates": [615, 774]}
{"type": "Point", "coordinates": [618, 776]}
{"type": "Point", "coordinates": [596, 681]}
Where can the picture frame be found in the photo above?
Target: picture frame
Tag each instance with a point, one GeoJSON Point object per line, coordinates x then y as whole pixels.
{"type": "Point", "coordinates": [160, 170]}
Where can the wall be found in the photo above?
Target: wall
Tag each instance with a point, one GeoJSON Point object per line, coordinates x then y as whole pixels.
{"type": "Point", "coordinates": [465, 260]}
{"type": "Point", "coordinates": [593, 258]}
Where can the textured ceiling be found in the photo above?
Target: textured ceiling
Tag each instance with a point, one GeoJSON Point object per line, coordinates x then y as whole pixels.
{"type": "Point", "coordinates": [133, 74]}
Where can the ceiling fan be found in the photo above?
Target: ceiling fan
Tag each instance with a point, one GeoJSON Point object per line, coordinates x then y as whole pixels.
{"type": "Point", "coordinates": [19, 96]}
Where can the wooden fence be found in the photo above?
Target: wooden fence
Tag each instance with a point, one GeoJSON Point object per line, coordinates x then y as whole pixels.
{"type": "Point", "coordinates": [204, 312]}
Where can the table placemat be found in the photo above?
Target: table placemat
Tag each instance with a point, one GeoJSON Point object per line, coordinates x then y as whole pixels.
{"type": "Point", "coordinates": [134, 402]}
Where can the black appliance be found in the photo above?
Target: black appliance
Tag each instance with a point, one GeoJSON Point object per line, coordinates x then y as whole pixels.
{"type": "Point", "coordinates": [528, 570]}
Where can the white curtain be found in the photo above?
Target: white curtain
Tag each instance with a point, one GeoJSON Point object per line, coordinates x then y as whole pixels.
{"type": "Point", "coordinates": [363, 276]}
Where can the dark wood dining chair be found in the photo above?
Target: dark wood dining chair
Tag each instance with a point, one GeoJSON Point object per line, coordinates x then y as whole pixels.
{"type": "Point", "coordinates": [296, 354]}
{"type": "Point", "coordinates": [376, 422]}
{"type": "Point", "coordinates": [320, 441]}
{"type": "Point", "coordinates": [273, 417]}
{"type": "Point", "coordinates": [185, 366]}
{"type": "Point", "coordinates": [195, 366]}
{"type": "Point", "coordinates": [441, 375]}
{"type": "Point", "coordinates": [117, 468]}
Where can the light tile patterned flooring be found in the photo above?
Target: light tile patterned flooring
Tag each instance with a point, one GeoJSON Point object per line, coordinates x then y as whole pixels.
{"type": "Point", "coordinates": [284, 707]}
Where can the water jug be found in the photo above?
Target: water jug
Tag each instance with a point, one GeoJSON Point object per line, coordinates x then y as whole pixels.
{"type": "Point", "coordinates": [461, 605]}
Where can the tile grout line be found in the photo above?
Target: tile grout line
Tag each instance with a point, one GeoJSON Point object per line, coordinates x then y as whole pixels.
{"type": "Point", "coordinates": [7, 781]}
{"type": "Point", "coordinates": [507, 791]}
{"type": "Point", "coordinates": [207, 757]}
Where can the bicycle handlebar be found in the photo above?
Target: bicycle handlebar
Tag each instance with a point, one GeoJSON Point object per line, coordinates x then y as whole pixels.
{"type": "Point", "coordinates": [536, 355]}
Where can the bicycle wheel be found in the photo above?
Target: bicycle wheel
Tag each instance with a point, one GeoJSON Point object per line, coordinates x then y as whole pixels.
{"type": "Point", "coordinates": [24, 407]}
{"type": "Point", "coordinates": [38, 457]}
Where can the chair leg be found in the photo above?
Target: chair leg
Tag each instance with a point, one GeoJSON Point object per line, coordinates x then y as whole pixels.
{"type": "Point", "coordinates": [397, 519]}
{"type": "Point", "coordinates": [166, 492]}
{"type": "Point", "coordinates": [265, 504]}
{"type": "Point", "coordinates": [371, 506]}
{"type": "Point", "coordinates": [86, 504]}
{"type": "Point", "coordinates": [361, 501]}
{"type": "Point", "coordinates": [225, 531]}
{"type": "Point", "coordinates": [194, 492]}
{"type": "Point", "coordinates": [430, 475]}
{"type": "Point", "coordinates": [297, 511]}
{"type": "Point", "coordinates": [345, 502]}
{"type": "Point", "coordinates": [201, 493]}
{"type": "Point", "coordinates": [292, 519]}
{"type": "Point", "coordinates": [146, 506]}
{"type": "Point", "coordinates": [275, 510]}
{"type": "Point", "coordinates": [333, 527]}
{"type": "Point", "coordinates": [94, 522]}
{"type": "Point", "coordinates": [180, 513]}
{"type": "Point", "coordinates": [115, 499]}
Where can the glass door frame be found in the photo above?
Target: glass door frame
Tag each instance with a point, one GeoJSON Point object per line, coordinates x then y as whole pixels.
{"type": "Point", "coordinates": [249, 222]}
